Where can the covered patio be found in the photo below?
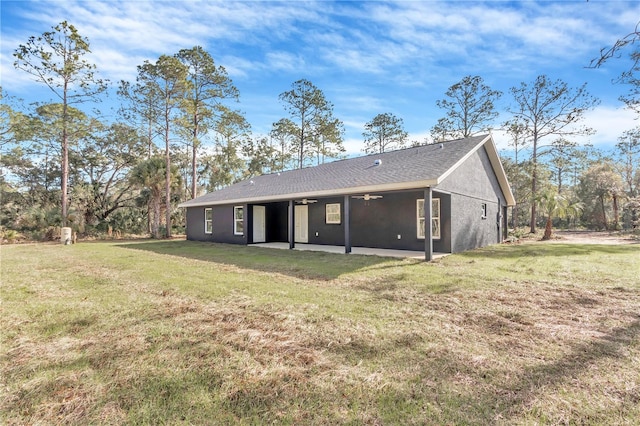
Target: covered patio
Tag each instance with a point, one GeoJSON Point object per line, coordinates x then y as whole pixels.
{"type": "Point", "coordinates": [408, 254]}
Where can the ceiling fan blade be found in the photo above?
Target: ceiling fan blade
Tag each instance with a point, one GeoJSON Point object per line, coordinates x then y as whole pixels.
{"type": "Point", "coordinates": [306, 201]}
{"type": "Point", "coordinates": [366, 197]}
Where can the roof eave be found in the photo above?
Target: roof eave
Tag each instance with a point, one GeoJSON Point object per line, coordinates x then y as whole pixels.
{"type": "Point", "coordinates": [318, 194]}
{"type": "Point", "coordinates": [494, 158]}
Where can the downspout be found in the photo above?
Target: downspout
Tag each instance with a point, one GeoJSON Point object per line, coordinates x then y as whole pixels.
{"type": "Point", "coordinates": [499, 220]}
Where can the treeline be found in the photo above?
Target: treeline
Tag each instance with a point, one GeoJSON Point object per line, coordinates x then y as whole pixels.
{"type": "Point", "coordinates": [179, 133]}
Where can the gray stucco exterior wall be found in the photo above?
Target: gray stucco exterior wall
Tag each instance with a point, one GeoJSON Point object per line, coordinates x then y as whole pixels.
{"type": "Point", "coordinates": [321, 232]}
{"type": "Point", "coordinates": [378, 223]}
{"type": "Point", "coordinates": [222, 225]}
{"type": "Point", "coordinates": [472, 185]}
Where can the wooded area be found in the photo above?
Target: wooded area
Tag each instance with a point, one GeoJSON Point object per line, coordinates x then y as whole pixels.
{"type": "Point", "coordinates": [179, 133]}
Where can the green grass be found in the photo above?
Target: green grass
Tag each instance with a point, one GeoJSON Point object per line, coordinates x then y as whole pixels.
{"type": "Point", "coordinates": [192, 333]}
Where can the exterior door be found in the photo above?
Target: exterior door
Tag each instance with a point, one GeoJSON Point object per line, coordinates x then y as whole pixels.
{"type": "Point", "coordinates": [301, 215]}
{"type": "Point", "coordinates": [259, 224]}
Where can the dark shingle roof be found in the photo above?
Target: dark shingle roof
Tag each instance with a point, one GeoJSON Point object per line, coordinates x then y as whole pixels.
{"type": "Point", "coordinates": [402, 169]}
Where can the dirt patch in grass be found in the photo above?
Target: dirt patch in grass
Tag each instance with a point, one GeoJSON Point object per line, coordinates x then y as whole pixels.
{"type": "Point", "coordinates": [594, 237]}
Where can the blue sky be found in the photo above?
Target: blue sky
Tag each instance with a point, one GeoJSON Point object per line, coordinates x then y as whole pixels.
{"type": "Point", "coordinates": [367, 57]}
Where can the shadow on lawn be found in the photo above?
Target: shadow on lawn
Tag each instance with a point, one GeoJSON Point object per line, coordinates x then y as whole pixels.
{"type": "Point", "coordinates": [298, 264]}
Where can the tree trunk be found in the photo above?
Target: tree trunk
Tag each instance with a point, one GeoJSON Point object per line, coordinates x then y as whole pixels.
{"type": "Point", "coordinates": [149, 138]}
{"type": "Point", "coordinates": [547, 230]}
{"type": "Point", "coordinates": [65, 158]}
{"type": "Point", "coordinates": [559, 180]}
{"type": "Point", "coordinates": [604, 214]}
{"type": "Point", "coordinates": [167, 199]}
{"type": "Point", "coordinates": [150, 206]}
{"type": "Point", "coordinates": [194, 164]}
{"type": "Point", "coordinates": [301, 152]}
{"type": "Point", "coordinates": [534, 185]}
{"type": "Point", "coordinates": [514, 210]}
{"type": "Point", "coordinates": [155, 227]}
{"type": "Point", "coordinates": [194, 173]}
{"type": "Point", "coordinates": [616, 214]}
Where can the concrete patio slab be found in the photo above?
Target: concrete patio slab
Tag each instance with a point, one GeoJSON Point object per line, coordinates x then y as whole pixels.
{"type": "Point", "coordinates": [354, 250]}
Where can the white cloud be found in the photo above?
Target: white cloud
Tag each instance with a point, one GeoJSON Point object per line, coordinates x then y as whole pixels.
{"type": "Point", "coordinates": [368, 57]}
{"type": "Point", "coordinates": [12, 78]}
{"type": "Point", "coordinates": [609, 124]}
{"type": "Point", "coordinates": [284, 61]}
{"type": "Point", "coordinates": [238, 67]}
{"type": "Point", "coordinates": [353, 147]}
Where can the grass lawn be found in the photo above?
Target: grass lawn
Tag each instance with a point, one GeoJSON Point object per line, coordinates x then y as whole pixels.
{"type": "Point", "coordinates": [176, 332]}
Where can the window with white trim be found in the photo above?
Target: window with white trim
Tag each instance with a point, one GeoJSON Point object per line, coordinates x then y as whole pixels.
{"type": "Point", "coordinates": [483, 209]}
{"type": "Point", "coordinates": [332, 214]}
{"type": "Point", "coordinates": [238, 220]}
{"type": "Point", "coordinates": [208, 221]}
{"type": "Point", "coordinates": [435, 218]}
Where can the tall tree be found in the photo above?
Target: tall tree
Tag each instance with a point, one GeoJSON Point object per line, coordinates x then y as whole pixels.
{"type": "Point", "coordinates": [261, 156]}
{"type": "Point", "coordinates": [150, 175]}
{"type": "Point", "coordinates": [231, 133]}
{"type": "Point", "coordinates": [384, 132]}
{"type": "Point", "coordinates": [328, 140]}
{"type": "Point", "coordinates": [35, 163]}
{"type": "Point", "coordinates": [518, 133]}
{"type": "Point", "coordinates": [313, 119]}
{"type": "Point", "coordinates": [470, 109]}
{"type": "Point", "coordinates": [48, 127]}
{"type": "Point", "coordinates": [283, 133]}
{"type": "Point", "coordinates": [104, 162]}
{"type": "Point", "coordinates": [600, 184]}
{"type": "Point", "coordinates": [562, 155]}
{"type": "Point", "coordinates": [165, 80]}
{"type": "Point", "coordinates": [628, 150]}
{"type": "Point", "coordinates": [210, 85]}
{"type": "Point", "coordinates": [548, 108]}
{"type": "Point", "coordinates": [57, 59]}
{"type": "Point", "coordinates": [140, 110]}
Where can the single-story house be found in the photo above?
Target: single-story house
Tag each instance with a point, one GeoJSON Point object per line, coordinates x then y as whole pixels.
{"type": "Point", "coordinates": [383, 200]}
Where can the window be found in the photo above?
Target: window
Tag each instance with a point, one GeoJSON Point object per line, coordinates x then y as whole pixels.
{"type": "Point", "coordinates": [332, 214]}
{"type": "Point", "coordinates": [238, 220]}
{"type": "Point", "coordinates": [483, 208]}
{"type": "Point", "coordinates": [208, 221]}
{"type": "Point", "coordinates": [435, 218]}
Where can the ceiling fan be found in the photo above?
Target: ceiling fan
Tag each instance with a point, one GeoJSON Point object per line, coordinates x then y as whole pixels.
{"type": "Point", "coordinates": [367, 197]}
{"type": "Point", "coordinates": [305, 201]}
